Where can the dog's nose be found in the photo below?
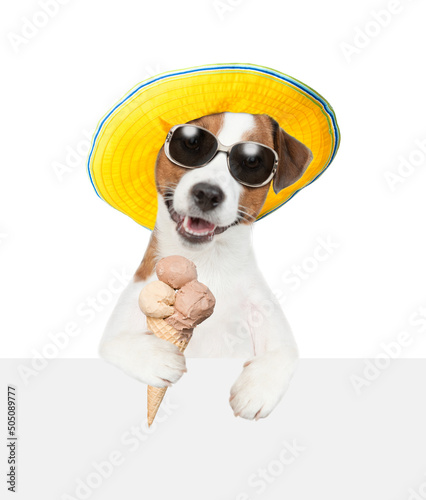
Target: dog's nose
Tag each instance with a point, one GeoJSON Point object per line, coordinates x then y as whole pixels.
{"type": "Point", "coordinates": [207, 196]}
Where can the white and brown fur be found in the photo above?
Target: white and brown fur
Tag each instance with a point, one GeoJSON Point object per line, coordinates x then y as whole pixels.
{"type": "Point", "coordinates": [248, 321]}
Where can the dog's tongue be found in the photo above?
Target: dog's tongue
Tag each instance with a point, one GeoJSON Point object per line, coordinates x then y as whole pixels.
{"type": "Point", "coordinates": [196, 225]}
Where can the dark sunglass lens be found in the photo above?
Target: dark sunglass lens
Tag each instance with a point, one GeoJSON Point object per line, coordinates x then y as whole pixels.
{"type": "Point", "coordinates": [192, 146]}
{"type": "Point", "coordinates": [251, 163]}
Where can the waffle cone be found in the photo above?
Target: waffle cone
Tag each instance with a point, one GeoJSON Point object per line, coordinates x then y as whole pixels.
{"type": "Point", "coordinates": [179, 338]}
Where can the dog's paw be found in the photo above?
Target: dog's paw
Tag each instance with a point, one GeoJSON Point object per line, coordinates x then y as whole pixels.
{"type": "Point", "coordinates": [145, 357]}
{"type": "Point", "coordinates": [262, 383]}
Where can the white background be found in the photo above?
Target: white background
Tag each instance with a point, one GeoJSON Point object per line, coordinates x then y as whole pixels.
{"type": "Point", "coordinates": [61, 245]}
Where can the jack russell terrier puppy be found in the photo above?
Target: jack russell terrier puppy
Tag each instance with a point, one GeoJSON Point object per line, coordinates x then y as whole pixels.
{"type": "Point", "coordinates": [212, 178]}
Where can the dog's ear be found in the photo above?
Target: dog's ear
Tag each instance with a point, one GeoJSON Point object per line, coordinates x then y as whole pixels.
{"type": "Point", "coordinates": [293, 158]}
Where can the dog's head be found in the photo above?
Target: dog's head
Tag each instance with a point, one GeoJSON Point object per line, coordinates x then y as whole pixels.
{"type": "Point", "coordinates": [206, 201]}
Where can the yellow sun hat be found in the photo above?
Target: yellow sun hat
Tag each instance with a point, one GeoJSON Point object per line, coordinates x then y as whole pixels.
{"type": "Point", "coordinates": [127, 140]}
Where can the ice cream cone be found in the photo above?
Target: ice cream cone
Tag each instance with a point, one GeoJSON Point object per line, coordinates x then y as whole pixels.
{"type": "Point", "coordinates": [179, 338]}
{"type": "Point", "coordinates": [173, 307]}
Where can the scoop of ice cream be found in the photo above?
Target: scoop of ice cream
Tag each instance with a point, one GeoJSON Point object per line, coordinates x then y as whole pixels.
{"type": "Point", "coordinates": [193, 304]}
{"type": "Point", "coordinates": [176, 271]}
{"type": "Point", "coordinates": [156, 300]}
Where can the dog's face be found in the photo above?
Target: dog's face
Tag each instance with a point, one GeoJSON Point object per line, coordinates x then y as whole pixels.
{"type": "Point", "coordinates": [206, 201]}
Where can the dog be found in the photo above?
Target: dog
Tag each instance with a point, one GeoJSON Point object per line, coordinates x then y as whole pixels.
{"type": "Point", "coordinates": [205, 215]}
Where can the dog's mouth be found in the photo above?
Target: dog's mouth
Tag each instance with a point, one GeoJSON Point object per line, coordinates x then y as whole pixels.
{"type": "Point", "coordinates": [194, 229]}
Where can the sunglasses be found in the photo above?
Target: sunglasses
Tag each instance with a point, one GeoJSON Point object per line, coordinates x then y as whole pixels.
{"type": "Point", "coordinates": [250, 163]}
